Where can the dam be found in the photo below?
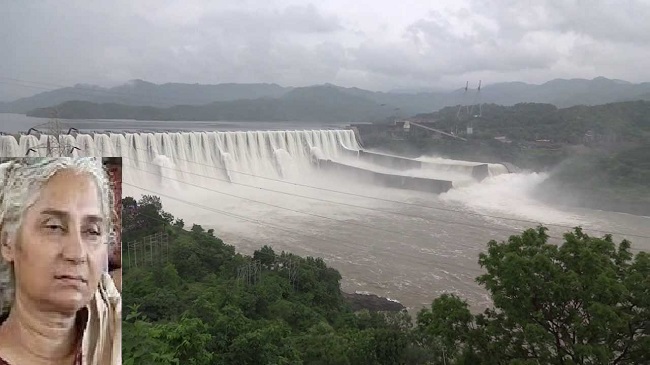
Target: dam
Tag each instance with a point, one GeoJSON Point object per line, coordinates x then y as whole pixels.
{"type": "Point", "coordinates": [272, 154]}
{"type": "Point", "coordinates": [402, 228]}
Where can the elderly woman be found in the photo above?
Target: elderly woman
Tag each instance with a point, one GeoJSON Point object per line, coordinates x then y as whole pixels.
{"type": "Point", "coordinates": [58, 305]}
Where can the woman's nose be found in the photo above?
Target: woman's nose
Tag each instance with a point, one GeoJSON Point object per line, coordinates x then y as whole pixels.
{"type": "Point", "coordinates": [74, 248]}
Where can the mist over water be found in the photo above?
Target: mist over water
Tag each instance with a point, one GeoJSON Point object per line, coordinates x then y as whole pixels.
{"type": "Point", "coordinates": [511, 194]}
{"type": "Point", "coordinates": [264, 187]}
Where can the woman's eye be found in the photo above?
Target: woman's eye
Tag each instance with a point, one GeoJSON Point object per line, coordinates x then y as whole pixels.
{"type": "Point", "coordinates": [52, 224]}
{"type": "Point", "coordinates": [54, 227]}
{"type": "Point", "coordinates": [94, 232]}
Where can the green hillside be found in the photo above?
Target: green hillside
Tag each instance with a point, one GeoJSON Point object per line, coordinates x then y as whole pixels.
{"type": "Point", "coordinates": [597, 156]}
{"type": "Point", "coordinates": [584, 302]}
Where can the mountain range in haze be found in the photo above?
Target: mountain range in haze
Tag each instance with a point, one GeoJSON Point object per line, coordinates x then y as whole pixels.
{"type": "Point", "coordinates": [139, 99]}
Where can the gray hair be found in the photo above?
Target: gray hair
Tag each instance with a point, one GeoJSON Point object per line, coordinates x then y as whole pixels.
{"type": "Point", "coordinates": [21, 182]}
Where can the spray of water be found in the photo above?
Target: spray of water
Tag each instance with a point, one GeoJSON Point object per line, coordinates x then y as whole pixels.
{"type": "Point", "coordinates": [510, 195]}
{"type": "Point", "coordinates": [167, 171]}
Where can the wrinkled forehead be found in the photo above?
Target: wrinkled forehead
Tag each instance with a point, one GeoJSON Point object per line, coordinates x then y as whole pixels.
{"type": "Point", "coordinates": [45, 181]}
{"type": "Point", "coordinates": [72, 192]}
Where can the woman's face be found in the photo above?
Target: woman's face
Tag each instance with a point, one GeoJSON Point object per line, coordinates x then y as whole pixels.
{"type": "Point", "coordinates": [60, 249]}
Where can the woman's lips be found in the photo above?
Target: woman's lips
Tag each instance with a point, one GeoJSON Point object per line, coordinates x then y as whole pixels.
{"type": "Point", "coordinates": [75, 280]}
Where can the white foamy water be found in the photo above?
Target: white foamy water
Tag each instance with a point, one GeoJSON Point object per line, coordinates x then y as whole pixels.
{"type": "Point", "coordinates": [166, 170]}
{"type": "Point", "coordinates": [458, 165]}
{"type": "Point", "coordinates": [510, 194]}
{"type": "Point", "coordinates": [407, 252]}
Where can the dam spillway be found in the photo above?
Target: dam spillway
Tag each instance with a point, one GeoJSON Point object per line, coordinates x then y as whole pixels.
{"type": "Point", "coordinates": [243, 155]}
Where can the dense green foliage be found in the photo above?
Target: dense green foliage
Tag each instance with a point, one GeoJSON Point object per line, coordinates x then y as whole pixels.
{"type": "Point", "coordinates": [616, 122]}
{"type": "Point", "coordinates": [584, 302]}
{"type": "Point", "coordinates": [531, 129]}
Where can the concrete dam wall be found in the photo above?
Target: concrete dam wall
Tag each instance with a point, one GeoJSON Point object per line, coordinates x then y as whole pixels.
{"type": "Point", "coordinates": [478, 171]}
{"type": "Point", "coordinates": [388, 180]}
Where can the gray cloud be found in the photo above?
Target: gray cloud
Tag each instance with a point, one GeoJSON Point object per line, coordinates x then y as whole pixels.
{"type": "Point", "coordinates": [514, 40]}
{"type": "Point", "coordinates": [376, 45]}
{"type": "Point", "coordinates": [434, 47]}
{"type": "Point", "coordinates": [608, 20]}
{"type": "Point", "coordinates": [292, 19]}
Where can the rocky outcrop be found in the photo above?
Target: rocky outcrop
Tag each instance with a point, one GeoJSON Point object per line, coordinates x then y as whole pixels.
{"type": "Point", "coordinates": [372, 303]}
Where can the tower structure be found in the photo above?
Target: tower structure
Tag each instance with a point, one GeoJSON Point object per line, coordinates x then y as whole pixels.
{"type": "Point", "coordinates": [55, 144]}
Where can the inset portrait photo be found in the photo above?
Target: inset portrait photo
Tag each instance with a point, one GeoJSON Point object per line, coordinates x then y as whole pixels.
{"type": "Point", "coordinates": [60, 260]}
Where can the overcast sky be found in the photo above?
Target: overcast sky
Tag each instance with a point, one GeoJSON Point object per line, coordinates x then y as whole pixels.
{"type": "Point", "coordinates": [372, 44]}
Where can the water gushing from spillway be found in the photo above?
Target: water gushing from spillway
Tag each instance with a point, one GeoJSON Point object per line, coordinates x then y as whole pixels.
{"type": "Point", "coordinates": [235, 157]}
{"type": "Point", "coordinates": [444, 164]}
{"type": "Point", "coordinates": [230, 156]}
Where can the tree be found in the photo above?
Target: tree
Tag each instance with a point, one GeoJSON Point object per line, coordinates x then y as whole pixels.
{"type": "Point", "coordinates": [266, 345]}
{"type": "Point", "coordinates": [322, 345]}
{"type": "Point", "coordinates": [143, 342]}
{"type": "Point", "coordinates": [197, 228]}
{"type": "Point", "coordinates": [445, 327]}
{"type": "Point", "coordinates": [189, 337]}
{"type": "Point", "coordinates": [129, 213]}
{"type": "Point", "coordinates": [265, 255]}
{"type": "Point", "coordinates": [143, 218]}
{"type": "Point", "coordinates": [390, 345]}
{"type": "Point", "coordinates": [152, 200]}
{"type": "Point", "coordinates": [584, 302]}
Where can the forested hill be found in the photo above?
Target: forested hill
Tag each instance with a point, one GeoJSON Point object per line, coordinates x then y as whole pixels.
{"type": "Point", "coordinates": [622, 122]}
{"type": "Point", "coordinates": [315, 104]}
{"type": "Point", "coordinates": [192, 301]}
{"type": "Point", "coordinates": [139, 92]}
{"type": "Point", "coordinates": [272, 102]}
{"type": "Point", "coordinates": [598, 156]}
